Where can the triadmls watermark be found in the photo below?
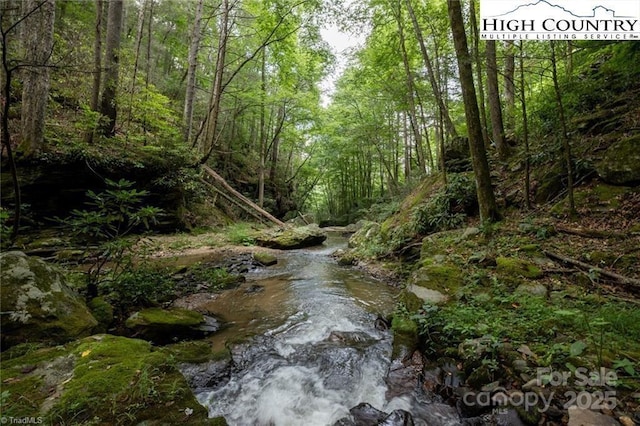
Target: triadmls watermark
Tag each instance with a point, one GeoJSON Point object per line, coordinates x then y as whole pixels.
{"type": "Point", "coordinates": [596, 393]}
{"type": "Point", "coordinates": [560, 19]}
{"type": "Point", "coordinates": [26, 420]}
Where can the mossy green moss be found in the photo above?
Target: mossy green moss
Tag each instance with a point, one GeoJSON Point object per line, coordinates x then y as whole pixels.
{"type": "Point", "coordinates": [195, 352]}
{"type": "Point", "coordinates": [108, 380]}
{"type": "Point", "coordinates": [445, 278]}
{"type": "Point", "coordinates": [513, 266]}
{"type": "Point", "coordinates": [177, 317]}
{"type": "Point", "coordinates": [103, 313]}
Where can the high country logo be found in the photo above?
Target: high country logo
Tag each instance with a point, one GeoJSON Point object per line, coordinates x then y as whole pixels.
{"type": "Point", "coordinates": [560, 19]}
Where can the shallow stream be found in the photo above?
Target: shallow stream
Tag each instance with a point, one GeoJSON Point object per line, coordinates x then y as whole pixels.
{"type": "Point", "coordinates": [316, 352]}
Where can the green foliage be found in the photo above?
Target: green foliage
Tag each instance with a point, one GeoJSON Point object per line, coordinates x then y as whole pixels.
{"type": "Point", "coordinates": [143, 286]}
{"type": "Point", "coordinates": [447, 208]}
{"type": "Point", "coordinates": [113, 213]}
{"type": "Point", "coordinates": [5, 229]}
{"type": "Point", "coordinates": [241, 234]}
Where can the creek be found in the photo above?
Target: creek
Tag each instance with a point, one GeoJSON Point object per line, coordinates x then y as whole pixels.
{"type": "Point", "coordinates": [315, 352]}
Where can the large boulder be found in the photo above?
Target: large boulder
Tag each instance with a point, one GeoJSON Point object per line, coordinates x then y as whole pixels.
{"type": "Point", "coordinates": [621, 162]}
{"type": "Point", "coordinates": [100, 379]}
{"type": "Point", "coordinates": [37, 305]}
{"type": "Point", "coordinates": [292, 238]}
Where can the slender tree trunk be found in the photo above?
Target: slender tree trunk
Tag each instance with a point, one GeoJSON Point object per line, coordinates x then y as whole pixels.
{"type": "Point", "coordinates": [108, 106]}
{"type": "Point", "coordinates": [525, 132]}
{"type": "Point", "coordinates": [495, 109]}
{"type": "Point", "coordinates": [97, 64]}
{"type": "Point", "coordinates": [263, 135]}
{"type": "Point", "coordinates": [97, 56]}
{"type": "Point", "coordinates": [37, 40]}
{"type": "Point", "coordinates": [6, 136]}
{"type": "Point", "coordinates": [476, 54]}
{"type": "Point", "coordinates": [413, 116]}
{"type": "Point", "coordinates": [194, 47]}
{"type": "Point", "coordinates": [510, 85]}
{"type": "Point", "coordinates": [275, 143]}
{"type": "Point", "coordinates": [565, 136]}
{"type": "Point", "coordinates": [216, 90]}
{"type": "Point", "coordinates": [437, 93]}
{"type": "Point", "coordinates": [139, 33]}
{"type": "Point", "coordinates": [486, 198]}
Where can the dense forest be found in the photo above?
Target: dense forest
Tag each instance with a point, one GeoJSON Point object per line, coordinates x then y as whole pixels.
{"type": "Point", "coordinates": [493, 183]}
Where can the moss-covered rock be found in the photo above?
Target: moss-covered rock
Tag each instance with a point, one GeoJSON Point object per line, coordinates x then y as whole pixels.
{"type": "Point", "coordinates": [621, 162]}
{"type": "Point", "coordinates": [265, 259]}
{"type": "Point", "coordinates": [170, 325]}
{"type": "Point", "coordinates": [405, 336]}
{"type": "Point", "coordinates": [291, 238]}
{"type": "Point", "coordinates": [513, 266]}
{"type": "Point", "coordinates": [101, 379]}
{"type": "Point", "coordinates": [103, 313]}
{"type": "Point", "coordinates": [37, 304]}
{"type": "Point", "coordinates": [445, 278]}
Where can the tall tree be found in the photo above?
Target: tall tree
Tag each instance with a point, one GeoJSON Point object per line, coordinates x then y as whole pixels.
{"type": "Point", "coordinates": [37, 40]}
{"type": "Point", "coordinates": [192, 61]}
{"type": "Point", "coordinates": [525, 132]}
{"type": "Point", "coordinates": [97, 63]}
{"type": "Point", "coordinates": [411, 93]}
{"type": "Point", "coordinates": [437, 93]}
{"type": "Point", "coordinates": [510, 85]}
{"type": "Point", "coordinates": [475, 34]}
{"type": "Point", "coordinates": [564, 134]}
{"type": "Point", "coordinates": [495, 107]}
{"type": "Point", "coordinates": [486, 197]}
{"type": "Point", "coordinates": [216, 90]}
{"type": "Point", "coordinates": [108, 105]}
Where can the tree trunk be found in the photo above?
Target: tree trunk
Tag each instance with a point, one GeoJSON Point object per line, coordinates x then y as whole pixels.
{"type": "Point", "coordinates": [263, 135]}
{"type": "Point", "coordinates": [432, 77]}
{"type": "Point", "coordinates": [216, 90]}
{"type": "Point", "coordinates": [192, 60]}
{"type": "Point", "coordinates": [413, 116]}
{"type": "Point", "coordinates": [97, 64]}
{"type": "Point", "coordinates": [510, 85]}
{"type": "Point", "coordinates": [495, 109]}
{"type": "Point", "coordinates": [108, 106]}
{"type": "Point", "coordinates": [477, 56]}
{"type": "Point", "coordinates": [486, 198]}
{"type": "Point", "coordinates": [139, 33]}
{"type": "Point", "coordinates": [37, 39]}
{"type": "Point", "coordinates": [525, 132]}
{"type": "Point", "coordinates": [564, 135]}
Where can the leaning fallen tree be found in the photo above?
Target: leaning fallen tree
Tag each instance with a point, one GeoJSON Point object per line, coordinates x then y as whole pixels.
{"type": "Point", "coordinates": [222, 187]}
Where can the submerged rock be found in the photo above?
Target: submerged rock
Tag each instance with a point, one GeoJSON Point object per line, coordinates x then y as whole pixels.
{"type": "Point", "coordinates": [291, 238]}
{"type": "Point", "coordinates": [37, 304]}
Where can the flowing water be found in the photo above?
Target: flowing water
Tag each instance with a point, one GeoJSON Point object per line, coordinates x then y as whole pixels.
{"type": "Point", "coordinates": [317, 352]}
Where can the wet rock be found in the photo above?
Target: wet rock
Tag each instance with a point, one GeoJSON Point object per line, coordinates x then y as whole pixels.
{"type": "Point", "coordinates": [366, 414]}
{"type": "Point", "coordinates": [163, 326]}
{"type": "Point", "coordinates": [265, 259]}
{"type": "Point", "coordinates": [586, 417]}
{"type": "Point", "coordinates": [37, 304]}
{"type": "Point", "coordinates": [626, 421]}
{"type": "Point", "coordinates": [621, 162]}
{"type": "Point", "coordinates": [291, 238]}
{"type": "Point", "coordinates": [398, 418]}
{"type": "Point", "coordinates": [205, 376]}
{"type": "Point", "coordinates": [254, 288]}
{"type": "Point", "coordinates": [403, 375]}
